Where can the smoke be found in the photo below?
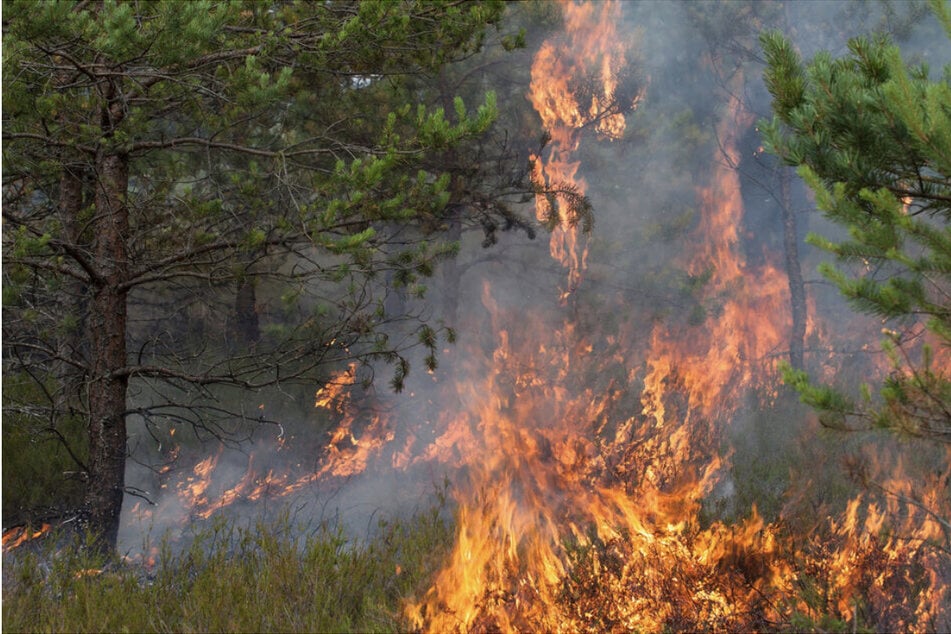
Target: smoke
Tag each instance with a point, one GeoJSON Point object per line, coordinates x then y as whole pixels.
{"type": "Point", "coordinates": [642, 190]}
{"type": "Point", "coordinates": [676, 322]}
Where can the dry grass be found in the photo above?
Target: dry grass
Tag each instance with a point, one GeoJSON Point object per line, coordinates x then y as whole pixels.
{"type": "Point", "coordinates": [231, 579]}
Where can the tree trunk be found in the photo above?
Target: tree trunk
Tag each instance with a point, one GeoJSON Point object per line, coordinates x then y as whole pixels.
{"type": "Point", "coordinates": [246, 328]}
{"type": "Point", "coordinates": [69, 376]}
{"type": "Point", "coordinates": [797, 289]}
{"type": "Point", "coordinates": [107, 338]}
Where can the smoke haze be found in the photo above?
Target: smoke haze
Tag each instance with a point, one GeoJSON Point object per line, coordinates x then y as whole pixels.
{"type": "Point", "coordinates": [653, 372]}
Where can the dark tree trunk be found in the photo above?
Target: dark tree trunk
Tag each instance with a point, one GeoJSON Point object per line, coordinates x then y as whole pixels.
{"type": "Point", "coordinates": [247, 329]}
{"type": "Point", "coordinates": [797, 290]}
{"type": "Point", "coordinates": [107, 342]}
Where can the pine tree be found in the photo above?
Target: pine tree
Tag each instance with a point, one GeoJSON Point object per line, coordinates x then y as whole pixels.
{"type": "Point", "coordinates": [871, 136]}
{"type": "Point", "coordinates": [166, 161]}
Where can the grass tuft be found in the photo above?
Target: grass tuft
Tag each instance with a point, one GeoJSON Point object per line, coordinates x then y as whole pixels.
{"type": "Point", "coordinates": [260, 579]}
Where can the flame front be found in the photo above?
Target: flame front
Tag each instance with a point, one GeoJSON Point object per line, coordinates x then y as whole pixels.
{"type": "Point", "coordinates": [580, 505]}
{"type": "Point", "coordinates": [554, 483]}
{"type": "Point", "coordinates": [581, 457]}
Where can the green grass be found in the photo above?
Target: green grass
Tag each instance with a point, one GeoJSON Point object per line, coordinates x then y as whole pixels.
{"type": "Point", "coordinates": [235, 580]}
{"type": "Point", "coordinates": [40, 478]}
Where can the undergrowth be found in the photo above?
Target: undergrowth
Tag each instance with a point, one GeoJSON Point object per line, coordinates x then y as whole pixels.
{"type": "Point", "coordinates": [232, 579]}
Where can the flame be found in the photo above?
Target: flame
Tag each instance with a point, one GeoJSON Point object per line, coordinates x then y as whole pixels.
{"type": "Point", "coordinates": [19, 535]}
{"type": "Point", "coordinates": [898, 526]}
{"type": "Point", "coordinates": [348, 452]}
{"type": "Point", "coordinates": [581, 460]}
{"type": "Point", "coordinates": [569, 520]}
{"type": "Point", "coordinates": [591, 48]}
{"type": "Point", "coordinates": [207, 488]}
{"type": "Point", "coordinates": [542, 487]}
{"type": "Point", "coordinates": [540, 481]}
{"type": "Point", "coordinates": [737, 346]}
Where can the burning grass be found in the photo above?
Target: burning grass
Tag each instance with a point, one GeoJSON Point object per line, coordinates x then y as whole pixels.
{"type": "Point", "coordinates": [592, 484]}
{"type": "Point", "coordinates": [747, 576]}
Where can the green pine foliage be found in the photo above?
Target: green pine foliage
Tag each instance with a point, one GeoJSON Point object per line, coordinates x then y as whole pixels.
{"type": "Point", "coordinates": [871, 136]}
{"type": "Point", "coordinates": [247, 183]}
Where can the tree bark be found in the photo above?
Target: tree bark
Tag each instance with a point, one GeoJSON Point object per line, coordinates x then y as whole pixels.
{"type": "Point", "coordinates": [247, 329]}
{"type": "Point", "coordinates": [107, 337]}
{"type": "Point", "coordinates": [797, 289]}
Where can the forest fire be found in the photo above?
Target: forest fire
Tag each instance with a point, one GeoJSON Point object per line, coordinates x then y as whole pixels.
{"type": "Point", "coordinates": [550, 491]}
{"type": "Point", "coordinates": [345, 455]}
{"type": "Point", "coordinates": [716, 399]}
{"type": "Point", "coordinates": [581, 458]}
{"type": "Point", "coordinates": [571, 520]}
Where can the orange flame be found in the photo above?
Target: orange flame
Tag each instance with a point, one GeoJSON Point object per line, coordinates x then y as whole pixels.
{"type": "Point", "coordinates": [749, 330]}
{"type": "Point", "coordinates": [19, 535]}
{"type": "Point", "coordinates": [582, 461]}
{"type": "Point", "coordinates": [591, 48]}
{"type": "Point", "coordinates": [554, 503]}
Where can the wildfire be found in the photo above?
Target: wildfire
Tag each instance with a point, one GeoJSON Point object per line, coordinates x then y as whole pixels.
{"type": "Point", "coordinates": [571, 520]}
{"type": "Point", "coordinates": [348, 454]}
{"type": "Point", "coordinates": [581, 459]}
{"type": "Point", "coordinates": [737, 347]}
{"type": "Point", "coordinates": [207, 487]}
{"type": "Point", "coordinates": [543, 481]}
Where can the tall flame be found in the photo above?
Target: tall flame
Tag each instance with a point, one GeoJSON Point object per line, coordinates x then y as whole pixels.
{"type": "Point", "coordinates": [591, 49]}
{"type": "Point", "coordinates": [562, 495]}
{"type": "Point", "coordinates": [581, 458]}
{"type": "Point", "coordinates": [738, 345]}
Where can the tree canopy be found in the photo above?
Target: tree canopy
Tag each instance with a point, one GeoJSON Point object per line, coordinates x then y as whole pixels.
{"type": "Point", "coordinates": [163, 160]}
